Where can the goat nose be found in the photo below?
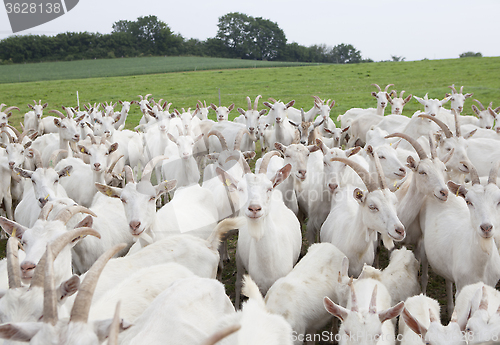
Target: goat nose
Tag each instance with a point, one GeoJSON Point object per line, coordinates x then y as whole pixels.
{"type": "Point", "coordinates": [444, 193]}
{"type": "Point", "coordinates": [402, 170]}
{"type": "Point", "coordinates": [27, 266]}
{"type": "Point", "coordinates": [486, 228]}
{"type": "Point", "coordinates": [303, 172]}
{"type": "Point", "coordinates": [43, 201]}
{"type": "Point", "coordinates": [400, 231]}
{"type": "Point", "coordinates": [11, 164]}
{"type": "Point", "coordinates": [333, 187]}
{"type": "Point", "coordinates": [134, 225]}
{"type": "Point", "coordinates": [77, 136]}
{"type": "Point", "coordinates": [97, 165]}
{"type": "Point", "coordinates": [254, 208]}
{"type": "Point", "coordinates": [251, 129]}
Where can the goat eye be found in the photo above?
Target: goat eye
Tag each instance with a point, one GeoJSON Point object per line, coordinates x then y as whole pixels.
{"type": "Point", "coordinates": [123, 200]}
{"type": "Point", "coordinates": [469, 203]}
{"type": "Point", "coordinates": [373, 208]}
{"type": "Point", "coordinates": [269, 190]}
{"type": "Point", "coordinates": [422, 173]}
{"type": "Point", "coordinates": [152, 198]}
{"type": "Point", "coordinates": [56, 181]}
{"type": "Point", "coordinates": [381, 157]}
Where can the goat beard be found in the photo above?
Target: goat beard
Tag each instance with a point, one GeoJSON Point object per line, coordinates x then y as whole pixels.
{"type": "Point", "coordinates": [486, 244]}
{"type": "Point", "coordinates": [255, 228]}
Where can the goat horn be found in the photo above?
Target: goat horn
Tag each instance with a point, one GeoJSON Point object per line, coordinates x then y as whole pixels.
{"type": "Point", "coordinates": [480, 104]}
{"type": "Point", "coordinates": [354, 300]}
{"type": "Point", "coordinates": [256, 103]}
{"type": "Point", "coordinates": [218, 336]}
{"type": "Point", "coordinates": [66, 214]}
{"type": "Point", "coordinates": [92, 138]}
{"type": "Point", "coordinates": [148, 169]}
{"type": "Point", "coordinates": [147, 96]}
{"type": "Point", "coordinates": [378, 166]}
{"type": "Point", "coordinates": [56, 247]}
{"type": "Point", "coordinates": [16, 132]}
{"type": "Point", "coordinates": [114, 329]}
{"type": "Point", "coordinates": [492, 178]}
{"type": "Point", "coordinates": [362, 172]}
{"type": "Point", "coordinates": [44, 213]}
{"type": "Point", "coordinates": [13, 263]}
{"type": "Point", "coordinates": [265, 161]}
{"type": "Point", "coordinates": [484, 300]}
{"type": "Point", "coordinates": [401, 94]}
{"type": "Point", "coordinates": [387, 87]}
{"type": "Point", "coordinates": [272, 100]}
{"type": "Point", "coordinates": [249, 101]}
{"type": "Point", "coordinates": [219, 135]}
{"type": "Point", "coordinates": [452, 87]}
{"type": "Point", "coordinates": [373, 303]}
{"type": "Point", "coordinates": [432, 146]}
{"type": "Point", "coordinates": [57, 112]}
{"type": "Point", "coordinates": [54, 157]}
{"type": "Point", "coordinates": [112, 166]}
{"type": "Point", "coordinates": [9, 137]}
{"type": "Point", "coordinates": [129, 174]}
{"type": "Point", "coordinates": [140, 96]}
{"type": "Point", "coordinates": [378, 87]}
{"type": "Point", "coordinates": [38, 158]}
{"type": "Point", "coordinates": [420, 150]}
{"type": "Point", "coordinates": [440, 123]}
{"type": "Point", "coordinates": [302, 115]}
{"type": "Point", "coordinates": [462, 89]}
{"type": "Point", "coordinates": [81, 307]}
{"type": "Point", "coordinates": [457, 124]}
{"type": "Point", "coordinates": [239, 137]}
{"type": "Point", "coordinates": [10, 108]}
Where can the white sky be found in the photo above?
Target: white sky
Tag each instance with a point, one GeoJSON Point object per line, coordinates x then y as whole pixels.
{"type": "Point", "coordinates": [414, 29]}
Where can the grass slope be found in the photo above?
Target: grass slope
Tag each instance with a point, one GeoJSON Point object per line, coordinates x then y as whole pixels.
{"type": "Point", "coordinates": [123, 66]}
{"type": "Point", "coordinates": [349, 85]}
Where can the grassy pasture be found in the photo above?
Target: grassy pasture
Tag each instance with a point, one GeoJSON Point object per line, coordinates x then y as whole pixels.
{"type": "Point", "coordinates": [349, 85]}
{"type": "Point", "coordinates": [78, 69]}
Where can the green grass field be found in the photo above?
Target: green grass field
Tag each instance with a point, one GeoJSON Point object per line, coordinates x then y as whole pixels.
{"type": "Point", "coordinates": [349, 85]}
{"type": "Point", "coordinates": [123, 67]}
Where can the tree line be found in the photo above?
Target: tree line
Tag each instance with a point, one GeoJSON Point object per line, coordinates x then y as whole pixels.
{"type": "Point", "coordinates": [238, 36]}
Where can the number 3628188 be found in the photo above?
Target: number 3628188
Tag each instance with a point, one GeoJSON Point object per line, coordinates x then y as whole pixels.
{"type": "Point", "coordinates": [25, 7]}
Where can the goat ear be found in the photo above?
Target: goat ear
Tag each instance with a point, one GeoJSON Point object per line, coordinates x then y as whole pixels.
{"type": "Point", "coordinates": [109, 191]}
{"type": "Point", "coordinates": [280, 147]}
{"type": "Point", "coordinates": [57, 122]}
{"type": "Point", "coordinates": [262, 112]}
{"type": "Point", "coordinates": [413, 323]}
{"type": "Point", "coordinates": [113, 148]}
{"type": "Point", "coordinates": [267, 104]}
{"type": "Point", "coordinates": [475, 109]}
{"type": "Point", "coordinates": [102, 327]}
{"type": "Point", "coordinates": [165, 187]}
{"type": "Point", "coordinates": [65, 171]}
{"type": "Point", "coordinates": [412, 163]}
{"type": "Point", "coordinates": [86, 222]}
{"type": "Point", "coordinates": [241, 111]}
{"type": "Point", "coordinates": [231, 107]}
{"type": "Point", "coordinates": [281, 175]}
{"type": "Point", "coordinates": [226, 179]}
{"type": "Point", "coordinates": [68, 288]}
{"type": "Point", "coordinates": [20, 331]}
{"type": "Point", "coordinates": [374, 94]}
{"type": "Point", "coordinates": [352, 151]}
{"type": "Point", "coordinates": [470, 134]}
{"type": "Point", "coordinates": [12, 228]}
{"type": "Point", "coordinates": [83, 149]}
{"type": "Point", "coordinates": [336, 310]}
{"type": "Point", "coordinates": [30, 106]}
{"type": "Point", "coordinates": [293, 123]}
{"type": "Point", "coordinates": [359, 195]}
{"type": "Point", "coordinates": [289, 104]}
{"type": "Point", "coordinates": [391, 312]}
{"type": "Point", "coordinates": [23, 173]}
{"type": "Point", "coordinates": [313, 148]}
{"type": "Point", "coordinates": [457, 189]}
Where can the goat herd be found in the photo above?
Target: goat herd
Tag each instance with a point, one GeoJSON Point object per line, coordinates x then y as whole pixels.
{"type": "Point", "coordinates": [123, 233]}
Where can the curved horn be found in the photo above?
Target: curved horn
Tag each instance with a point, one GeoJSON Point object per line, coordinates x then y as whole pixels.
{"type": "Point", "coordinates": [256, 102]}
{"type": "Point", "coordinates": [462, 89]}
{"type": "Point", "coordinates": [10, 108]}
{"type": "Point", "coordinates": [219, 135]}
{"type": "Point", "coordinates": [13, 263]}
{"type": "Point", "coordinates": [239, 137]}
{"type": "Point", "coordinates": [387, 87]}
{"type": "Point", "coordinates": [401, 94]}
{"type": "Point", "coordinates": [373, 303]}
{"type": "Point", "coordinates": [16, 132]}
{"type": "Point", "coordinates": [114, 329]}
{"type": "Point", "coordinates": [92, 138]}
{"type": "Point", "coordinates": [452, 87]}
{"type": "Point", "coordinates": [354, 300]}
{"type": "Point", "coordinates": [265, 161]}
{"type": "Point", "coordinates": [378, 87]}
{"type": "Point", "coordinates": [440, 123]}
{"type": "Point", "coordinates": [56, 247]}
{"type": "Point", "coordinates": [218, 336]}
{"type": "Point", "coordinates": [44, 213]}
{"type": "Point", "coordinates": [54, 157]}
{"type": "Point", "coordinates": [480, 105]}
{"type": "Point", "coordinates": [57, 112]}
{"type": "Point", "coordinates": [420, 150]}
{"type": "Point", "coordinates": [140, 96]}
{"type": "Point", "coordinates": [112, 166]}
{"type": "Point", "coordinates": [81, 307]}
{"type": "Point", "coordinates": [66, 214]}
{"type": "Point", "coordinates": [148, 169]}
{"type": "Point", "coordinates": [249, 101]}
{"type": "Point", "coordinates": [484, 300]}
{"type": "Point", "coordinates": [432, 146]}
{"type": "Point", "coordinates": [492, 178]}
{"type": "Point", "coordinates": [302, 115]}
{"type": "Point", "coordinates": [129, 174]}
{"type": "Point", "coordinates": [38, 158]}
{"type": "Point", "coordinates": [378, 166]}
{"type": "Point", "coordinates": [362, 172]}
{"type": "Point", "coordinates": [9, 137]}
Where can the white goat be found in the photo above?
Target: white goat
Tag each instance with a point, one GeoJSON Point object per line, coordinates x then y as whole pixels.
{"type": "Point", "coordinates": [298, 296]}
{"type": "Point", "coordinates": [269, 222]}
{"type": "Point", "coordinates": [366, 318]}
{"type": "Point", "coordinates": [398, 103]}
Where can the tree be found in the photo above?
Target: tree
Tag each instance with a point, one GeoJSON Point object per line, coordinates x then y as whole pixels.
{"type": "Point", "coordinates": [470, 54]}
{"type": "Point", "coordinates": [397, 58]}
{"type": "Point", "coordinates": [247, 37]}
{"type": "Point", "coordinates": [345, 53]}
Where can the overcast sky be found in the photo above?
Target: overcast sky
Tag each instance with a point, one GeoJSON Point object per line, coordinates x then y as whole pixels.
{"type": "Point", "coordinates": [414, 29]}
